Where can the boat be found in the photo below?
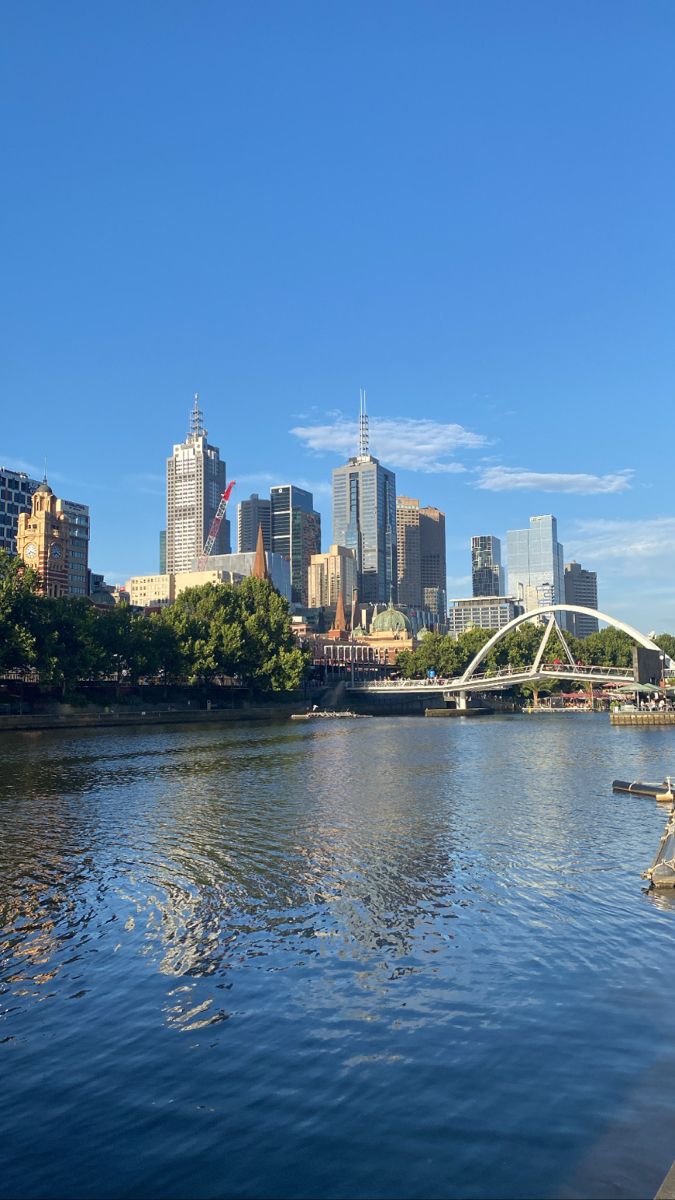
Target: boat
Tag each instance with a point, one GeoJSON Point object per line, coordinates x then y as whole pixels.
{"type": "Point", "coordinates": [323, 715]}
{"type": "Point", "coordinates": [659, 791]}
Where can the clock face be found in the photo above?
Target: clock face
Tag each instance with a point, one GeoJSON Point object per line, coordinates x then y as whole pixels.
{"type": "Point", "coordinates": [31, 550]}
{"type": "Point", "coordinates": [55, 550]}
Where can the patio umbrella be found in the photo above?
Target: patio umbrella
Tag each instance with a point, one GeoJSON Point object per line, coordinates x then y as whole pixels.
{"type": "Point", "coordinates": [642, 689]}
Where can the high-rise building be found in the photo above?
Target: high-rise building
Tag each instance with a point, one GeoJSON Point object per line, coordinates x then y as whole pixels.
{"type": "Point", "coordinates": [16, 489]}
{"type": "Point", "coordinates": [420, 550]}
{"type": "Point", "coordinates": [43, 541]}
{"type": "Point", "coordinates": [481, 612]}
{"type": "Point", "coordinates": [195, 481]}
{"type": "Point", "coordinates": [408, 562]}
{"type": "Point", "coordinates": [295, 530]}
{"type": "Point", "coordinates": [432, 560]}
{"type": "Point", "coordinates": [535, 564]}
{"type": "Point", "coordinates": [162, 552]}
{"type": "Point", "coordinates": [330, 575]}
{"type": "Point", "coordinates": [487, 576]}
{"type": "Point", "coordinates": [78, 545]}
{"type": "Point", "coordinates": [364, 518]}
{"type": "Point", "coordinates": [581, 587]}
{"type": "Point", "coordinates": [253, 514]}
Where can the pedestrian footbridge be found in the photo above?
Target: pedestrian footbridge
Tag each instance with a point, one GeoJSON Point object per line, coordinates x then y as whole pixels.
{"type": "Point", "coordinates": [475, 679]}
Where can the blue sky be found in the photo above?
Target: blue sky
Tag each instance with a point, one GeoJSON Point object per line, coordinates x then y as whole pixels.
{"type": "Point", "coordinates": [466, 209]}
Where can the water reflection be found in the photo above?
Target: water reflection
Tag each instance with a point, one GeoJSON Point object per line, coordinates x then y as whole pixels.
{"type": "Point", "coordinates": [428, 902]}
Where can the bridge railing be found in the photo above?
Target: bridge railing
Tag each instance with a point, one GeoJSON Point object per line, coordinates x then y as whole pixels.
{"type": "Point", "coordinates": [512, 674]}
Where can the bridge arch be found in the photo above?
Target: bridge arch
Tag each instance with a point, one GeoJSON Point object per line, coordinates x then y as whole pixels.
{"type": "Point", "coordinates": [555, 608]}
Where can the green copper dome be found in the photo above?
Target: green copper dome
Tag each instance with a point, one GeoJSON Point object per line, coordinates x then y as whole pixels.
{"type": "Point", "coordinates": [391, 621]}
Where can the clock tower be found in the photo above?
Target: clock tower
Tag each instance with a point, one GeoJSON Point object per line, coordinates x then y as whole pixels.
{"type": "Point", "coordinates": [42, 541]}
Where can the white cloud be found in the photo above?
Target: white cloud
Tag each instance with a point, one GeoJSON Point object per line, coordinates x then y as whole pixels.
{"type": "Point", "coordinates": [629, 547]}
{"type": "Point", "coordinates": [414, 445]}
{"type": "Point", "coordinates": [518, 479]}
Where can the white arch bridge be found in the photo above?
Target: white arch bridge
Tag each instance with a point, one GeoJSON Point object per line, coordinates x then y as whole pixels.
{"type": "Point", "coordinates": [476, 680]}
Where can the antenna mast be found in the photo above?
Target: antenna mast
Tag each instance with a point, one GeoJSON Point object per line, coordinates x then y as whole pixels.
{"type": "Point", "coordinates": [363, 425]}
{"type": "Point", "coordinates": [197, 429]}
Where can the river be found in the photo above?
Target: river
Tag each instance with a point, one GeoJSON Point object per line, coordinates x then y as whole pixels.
{"type": "Point", "coordinates": [371, 958]}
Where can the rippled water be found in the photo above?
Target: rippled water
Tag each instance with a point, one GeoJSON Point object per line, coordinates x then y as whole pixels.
{"type": "Point", "coordinates": [382, 958]}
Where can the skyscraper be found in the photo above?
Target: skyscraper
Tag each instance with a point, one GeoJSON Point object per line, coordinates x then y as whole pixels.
{"type": "Point", "coordinates": [253, 514]}
{"type": "Point", "coordinates": [581, 587]}
{"type": "Point", "coordinates": [432, 560]}
{"type": "Point", "coordinates": [330, 575]}
{"type": "Point", "coordinates": [486, 566]}
{"type": "Point", "coordinates": [364, 518]}
{"type": "Point", "coordinates": [408, 563]}
{"type": "Point", "coordinates": [195, 480]}
{"type": "Point", "coordinates": [295, 533]}
{"type": "Point", "coordinates": [535, 564]}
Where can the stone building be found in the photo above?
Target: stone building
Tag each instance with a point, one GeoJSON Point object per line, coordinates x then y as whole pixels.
{"type": "Point", "coordinates": [43, 541]}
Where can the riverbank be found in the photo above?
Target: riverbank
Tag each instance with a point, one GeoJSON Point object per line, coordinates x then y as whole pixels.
{"type": "Point", "coordinates": [119, 719]}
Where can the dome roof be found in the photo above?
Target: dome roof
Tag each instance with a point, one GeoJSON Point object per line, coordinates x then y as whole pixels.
{"type": "Point", "coordinates": [390, 621]}
{"type": "Point", "coordinates": [44, 487]}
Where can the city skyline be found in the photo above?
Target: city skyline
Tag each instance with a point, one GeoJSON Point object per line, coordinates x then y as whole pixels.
{"type": "Point", "coordinates": [497, 273]}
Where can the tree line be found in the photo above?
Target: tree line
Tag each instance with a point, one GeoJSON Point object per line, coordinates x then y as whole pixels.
{"type": "Point", "coordinates": [211, 631]}
{"type": "Point", "coordinates": [449, 657]}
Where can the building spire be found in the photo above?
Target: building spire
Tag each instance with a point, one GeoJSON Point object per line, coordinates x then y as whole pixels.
{"type": "Point", "coordinates": [260, 565]}
{"type": "Point", "coordinates": [340, 622]}
{"type": "Point", "coordinates": [364, 439]}
{"type": "Point", "coordinates": [197, 429]}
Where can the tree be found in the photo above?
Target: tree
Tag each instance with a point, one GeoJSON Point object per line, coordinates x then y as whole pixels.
{"type": "Point", "coordinates": [666, 642]}
{"type": "Point", "coordinates": [19, 603]}
{"type": "Point", "coordinates": [68, 641]}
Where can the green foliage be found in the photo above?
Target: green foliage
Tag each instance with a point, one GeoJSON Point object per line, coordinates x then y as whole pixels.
{"type": "Point", "coordinates": [666, 642]}
{"type": "Point", "coordinates": [610, 647]}
{"type": "Point", "coordinates": [210, 632]}
{"type": "Point", "coordinates": [19, 604]}
{"type": "Point", "coordinates": [244, 630]}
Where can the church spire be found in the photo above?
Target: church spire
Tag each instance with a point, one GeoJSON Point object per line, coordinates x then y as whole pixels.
{"type": "Point", "coordinates": [340, 622]}
{"type": "Point", "coordinates": [260, 565]}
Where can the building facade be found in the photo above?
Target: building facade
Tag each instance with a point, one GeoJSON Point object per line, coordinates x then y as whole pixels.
{"type": "Point", "coordinates": [156, 591]}
{"type": "Point", "coordinates": [432, 561]}
{"type": "Point", "coordinates": [16, 490]}
{"type": "Point", "coordinates": [253, 514]}
{"type": "Point", "coordinates": [43, 541]}
{"type": "Point", "coordinates": [535, 564]}
{"type": "Point", "coordinates": [77, 516]}
{"type": "Point", "coordinates": [295, 533]}
{"type": "Point", "coordinates": [364, 520]}
{"type": "Point", "coordinates": [481, 612]}
{"type": "Point", "coordinates": [195, 481]}
{"type": "Point", "coordinates": [487, 576]}
{"type": "Point", "coordinates": [16, 495]}
{"type": "Point", "coordinates": [408, 560]}
{"type": "Point", "coordinates": [581, 587]}
{"type": "Point", "coordinates": [330, 575]}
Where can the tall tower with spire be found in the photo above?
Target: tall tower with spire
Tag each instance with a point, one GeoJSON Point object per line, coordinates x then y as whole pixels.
{"type": "Point", "coordinates": [364, 516]}
{"type": "Point", "coordinates": [195, 481]}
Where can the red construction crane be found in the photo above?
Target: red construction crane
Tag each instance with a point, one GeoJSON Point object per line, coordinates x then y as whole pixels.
{"type": "Point", "coordinates": [215, 526]}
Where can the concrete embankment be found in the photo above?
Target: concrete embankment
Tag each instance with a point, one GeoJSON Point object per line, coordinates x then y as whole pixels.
{"type": "Point", "coordinates": [253, 712]}
{"type": "Point", "coordinates": [642, 718]}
